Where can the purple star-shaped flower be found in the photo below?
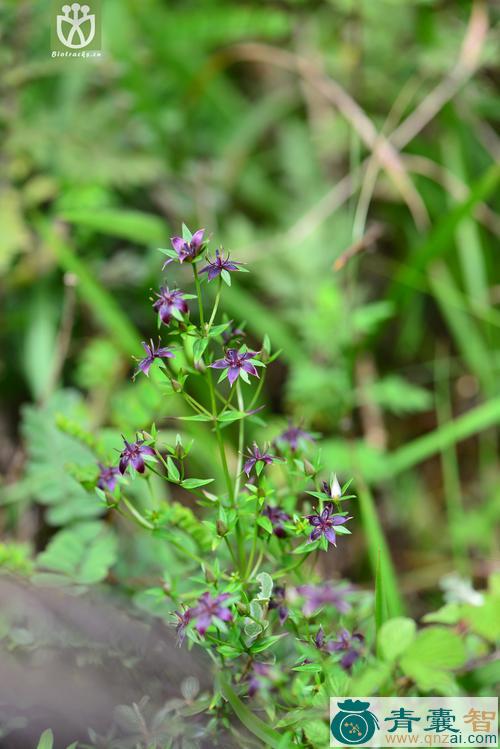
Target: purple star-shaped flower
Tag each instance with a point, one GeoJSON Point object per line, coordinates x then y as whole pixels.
{"type": "Point", "coordinates": [277, 518]}
{"type": "Point", "coordinates": [255, 455]}
{"type": "Point", "coordinates": [278, 602]}
{"type": "Point", "coordinates": [293, 436]}
{"type": "Point", "coordinates": [238, 364]}
{"type": "Point", "coordinates": [187, 250]}
{"type": "Point", "coordinates": [317, 596]}
{"type": "Point", "coordinates": [209, 608]}
{"type": "Point", "coordinates": [108, 477]}
{"type": "Point", "coordinates": [183, 619]}
{"type": "Point", "coordinates": [170, 303]}
{"type": "Point", "coordinates": [133, 454]}
{"type": "Point", "coordinates": [348, 644]}
{"type": "Point", "coordinates": [152, 352]}
{"type": "Point", "coordinates": [324, 524]}
{"type": "Point", "coordinates": [220, 263]}
{"type": "Point", "coordinates": [254, 682]}
{"type": "Point", "coordinates": [232, 333]}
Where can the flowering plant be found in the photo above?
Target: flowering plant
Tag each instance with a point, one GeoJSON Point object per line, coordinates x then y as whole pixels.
{"type": "Point", "coordinates": [252, 537]}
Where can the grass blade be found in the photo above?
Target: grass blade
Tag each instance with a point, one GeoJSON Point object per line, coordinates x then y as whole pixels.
{"type": "Point", "coordinates": [104, 307]}
{"type": "Point", "coordinates": [255, 725]}
{"type": "Point", "coordinates": [379, 555]}
{"type": "Point", "coordinates": [476, 420]}
{"type": "Point", "coordinates": [440, 240]}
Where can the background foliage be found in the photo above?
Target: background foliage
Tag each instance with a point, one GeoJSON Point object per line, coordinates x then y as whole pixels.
{"type": "Point", "coordinates": [347, 151]}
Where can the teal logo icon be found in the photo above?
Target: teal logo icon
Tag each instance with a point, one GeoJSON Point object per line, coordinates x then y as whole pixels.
{"type": "Point", "coordinates": [354, 723]}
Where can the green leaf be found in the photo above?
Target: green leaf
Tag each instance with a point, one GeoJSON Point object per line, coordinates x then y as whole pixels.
{"type": "Point", "coordinates": [312, 668]}
{"type": "Point", "coordinates": [47, 479]}
{"type": "Point", "coordinates": [46, 740]}
{"type": "Point", "coordinates": [265, 523]}
{"type": "Point", "coordinates": [195, 483]}
{"type": "Point", "coordinates": [255, 725]}
{"type": "Point", "coordinates": [196, 417]}
{"type": "Point", "coordinates": [199, 348]}
{"type": "Point", "coordinates": [430, 656]}
{"type": "Point", "coordinates": [229, 416]}
{"type": "Point", "coordinates": [266, 585]}
{"type": "Point", "coordinates": [267, 642]}
{"type": "Point", "coordinates": [82, 554]}
{"type": "Point", "coordinates": [306, 547]}
{"type": "Point", "coordinates": [317, 732]}
{"type": "Point", "coordinates": [395, 636]}
{"type": "Point", "coordinates": [371, 679]}
{"type": "Point", "coordinates": [173, 471]}
{"type": "Point", "coordinates": [485, 619]}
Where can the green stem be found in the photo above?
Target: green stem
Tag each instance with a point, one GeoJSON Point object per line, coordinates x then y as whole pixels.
{"type": "Point", "coordinates": [198, 294]}
{"type": "Point", "coordinates": [218, 434]}
{"type": "Point", "coordinates": [233, 557]}
{"type": "Point", "coordinates": [241, 438]}
{"type": "Point", "coordinates": [258, 391]}
{"type": "Point", "coordinates": [137, 515]}
{"type": "Point", "coordinates": [216, 305]}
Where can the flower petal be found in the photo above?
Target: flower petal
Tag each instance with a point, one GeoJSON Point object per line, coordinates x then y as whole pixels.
{"type": "Point", "coordinates": [197, 239]}
{"type": "Point", "coordinates": [177, 244]}
{"type": "Point", "coordinates": [219, 364]}
{"type": "Point", "coordinates": [233, 374]}
{"type": "Point", "coordinates": [330, 535]}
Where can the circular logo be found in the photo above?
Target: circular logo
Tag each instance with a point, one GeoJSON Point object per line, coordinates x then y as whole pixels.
{"type": "Point", "coordinates": [354, 723]}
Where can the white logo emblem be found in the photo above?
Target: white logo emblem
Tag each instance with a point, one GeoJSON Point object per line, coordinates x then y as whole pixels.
{"type": "Point", "coordinates": [76, 27]}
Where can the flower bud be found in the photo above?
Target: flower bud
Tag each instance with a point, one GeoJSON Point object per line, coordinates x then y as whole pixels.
{"type": "Point", "coordinates": [176, 386]}
{"type": "Point", "coordinates": [309, 469]}
{"type": "Point", "coordinates": [221, 528]}
{"type": "Point", "coordinates": [209, 575]}
{"type": "Point", "coordinates": [242, 608]}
